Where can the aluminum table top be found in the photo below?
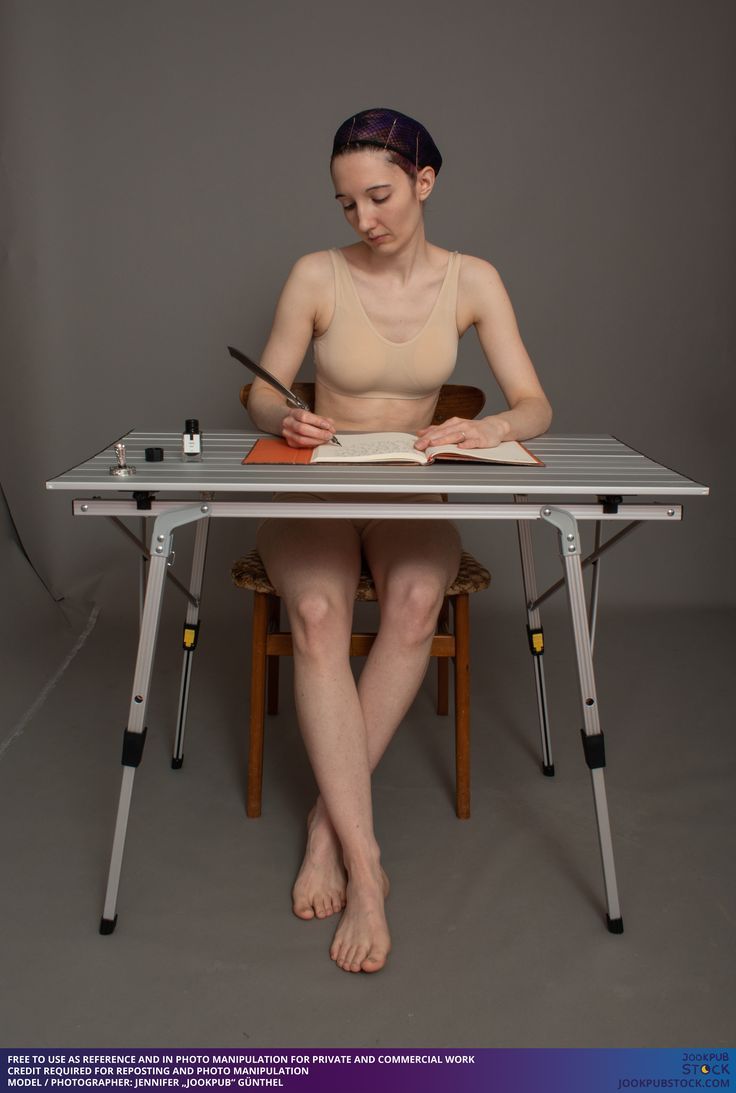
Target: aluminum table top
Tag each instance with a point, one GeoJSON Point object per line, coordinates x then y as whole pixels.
{"type": "Point", "coordinates": [575, 466]}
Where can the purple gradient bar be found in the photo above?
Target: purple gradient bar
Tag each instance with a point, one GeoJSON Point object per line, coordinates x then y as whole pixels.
{"type": "Point", "coordinates": [357, 1070]}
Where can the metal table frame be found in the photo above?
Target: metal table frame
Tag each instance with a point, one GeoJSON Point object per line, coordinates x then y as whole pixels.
{"type": "Point", "coordinates": [575, 467]}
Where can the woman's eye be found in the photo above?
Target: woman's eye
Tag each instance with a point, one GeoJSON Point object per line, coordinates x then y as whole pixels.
{"type": "Point", "coordinates": [376, 201]}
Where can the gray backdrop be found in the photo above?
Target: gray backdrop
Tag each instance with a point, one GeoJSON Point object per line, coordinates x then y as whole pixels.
{"type": "Point", "coordinates": [162, 166]}
{"type": "Point", "coordinates": [165, 162]}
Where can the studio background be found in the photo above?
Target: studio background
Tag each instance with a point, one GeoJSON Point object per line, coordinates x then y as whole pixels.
{"type": "Point", "coordinates": [165, 163]}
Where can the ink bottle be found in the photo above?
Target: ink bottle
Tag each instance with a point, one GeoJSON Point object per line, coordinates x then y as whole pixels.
{"type": "Point", "coordinates": [191, 441]}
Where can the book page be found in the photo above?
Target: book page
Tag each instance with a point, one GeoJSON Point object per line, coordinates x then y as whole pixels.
{"type": "Point", "coordinates": [369, 448]}
{"type": "Point", "coordinates": [510, 451]}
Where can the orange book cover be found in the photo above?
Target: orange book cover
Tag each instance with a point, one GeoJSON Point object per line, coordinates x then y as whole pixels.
{"type": "Point", "coordinates": [275, 450]}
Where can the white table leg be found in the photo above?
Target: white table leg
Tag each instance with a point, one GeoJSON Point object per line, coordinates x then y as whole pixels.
{"type": "Point", "coordinates": [135, 733]}
{"type": "Point", "coordinates": [191, 636]}
{"type": "Point", "coordinates": [535, 634]}
{"type": "Point", "coordinates": [593, 744]}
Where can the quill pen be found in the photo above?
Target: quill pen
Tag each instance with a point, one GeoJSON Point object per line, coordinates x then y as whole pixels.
{"type": "Point", "coordinates": [292, 399]}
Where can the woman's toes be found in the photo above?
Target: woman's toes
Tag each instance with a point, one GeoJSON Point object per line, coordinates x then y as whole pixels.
{"type": "Point", "coordinates": [357, 962]}
{"type": "Point", "coordinates": [303, 909]}
{"type": "Point", "coordinates": [372, 963]}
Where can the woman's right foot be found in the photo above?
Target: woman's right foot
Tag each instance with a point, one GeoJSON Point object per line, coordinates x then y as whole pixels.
{"type": "Point", "coordinates": [320, 887]}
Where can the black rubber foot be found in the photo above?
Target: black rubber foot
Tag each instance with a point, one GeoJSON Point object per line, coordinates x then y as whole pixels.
{"type": "Point", "coordinates": [548, 770]}
{"type": "Point", "coordinates": [107, 925]}
{"type": "Point", "coordinates": [615, 925]}
{"type": "Point", "coordinates": [176, 764]}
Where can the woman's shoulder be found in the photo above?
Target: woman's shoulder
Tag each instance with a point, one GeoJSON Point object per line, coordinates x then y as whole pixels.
{"type": "Point", "coordinates": [312, 267]}
{"type": "Point", "coordinates": [310, 286]}
{"type": "Point", "coordinates": [311, 279]}
{"type": "Point", "coordinates": [479, 280]}
{"type": "Point", "coordinates": [480, 290]}
{"type": "Point", "coordinates": [473, 272]}
{"type": "Point", "coordinates": [478, 271]}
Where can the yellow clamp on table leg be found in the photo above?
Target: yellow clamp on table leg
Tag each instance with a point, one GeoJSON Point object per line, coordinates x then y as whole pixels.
{"type": "Point", "coordinates": [536, 641]}
{"type": "Point", "coordinates": [191, 633]}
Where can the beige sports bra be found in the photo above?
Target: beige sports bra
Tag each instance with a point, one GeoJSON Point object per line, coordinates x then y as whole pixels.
{"type": "Point", "coordinates": [352, 358]}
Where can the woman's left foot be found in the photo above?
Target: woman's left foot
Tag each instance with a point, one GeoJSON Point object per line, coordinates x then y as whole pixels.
{"type": "Point", "coordinates": [362, 941]}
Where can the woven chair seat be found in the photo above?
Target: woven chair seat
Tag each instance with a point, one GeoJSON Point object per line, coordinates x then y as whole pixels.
{"type": "Point", "coordinates": [250, 573]}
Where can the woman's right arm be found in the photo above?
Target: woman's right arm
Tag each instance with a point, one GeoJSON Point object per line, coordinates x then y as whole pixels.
{"type": "Point", "coordinates": [293, 328]}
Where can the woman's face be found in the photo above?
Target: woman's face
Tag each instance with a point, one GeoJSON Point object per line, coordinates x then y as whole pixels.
{"type": "Point", "coordinates": [381, 202]}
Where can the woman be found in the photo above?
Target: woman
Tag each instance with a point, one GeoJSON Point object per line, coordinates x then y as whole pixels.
{"type": "Point", "coordinates": [385, 315]}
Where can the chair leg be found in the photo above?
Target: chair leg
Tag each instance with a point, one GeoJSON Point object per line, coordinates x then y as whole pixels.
{"type": "Point", "coordinates": [257, 704]}
{"type": "Point", "coordinates": [462, 706]}
{"type": "Point", "coordinates": [274, 624]}
{"type": "Point", "coordinates": [443, 667]}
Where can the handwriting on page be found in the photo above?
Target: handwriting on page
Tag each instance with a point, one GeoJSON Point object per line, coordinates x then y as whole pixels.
{"type": "Point", "coordinates": [379, 444]}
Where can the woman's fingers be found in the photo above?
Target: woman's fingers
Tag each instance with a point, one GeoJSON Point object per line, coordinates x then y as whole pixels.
{"type": "Point", "coordinates": [455, 430]}
{"type": "Point", "coordinates": [303, 429]}
{"type": "Point", "coordinates": [486, 432]}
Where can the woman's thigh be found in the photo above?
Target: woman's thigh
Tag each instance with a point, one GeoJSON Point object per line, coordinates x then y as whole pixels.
{"type": "Point", "coordinates": [311, 556]}
{"type": "Point", "coordinates": [411, 555]}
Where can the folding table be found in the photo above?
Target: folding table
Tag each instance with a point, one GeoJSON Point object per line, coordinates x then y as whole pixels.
{"type": "Point", "coordinates": [585, 478]}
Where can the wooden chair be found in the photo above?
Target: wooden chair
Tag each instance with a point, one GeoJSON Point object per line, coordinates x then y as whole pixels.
{"type": "Point", "coordinates": [451, 642]}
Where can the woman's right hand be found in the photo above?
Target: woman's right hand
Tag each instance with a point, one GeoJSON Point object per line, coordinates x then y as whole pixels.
{"type": "Point", "coordinates": [303, 429]}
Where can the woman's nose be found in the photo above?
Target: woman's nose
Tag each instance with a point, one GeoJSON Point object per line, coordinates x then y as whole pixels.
{"type": "Point", "coordinates": [366, 218]}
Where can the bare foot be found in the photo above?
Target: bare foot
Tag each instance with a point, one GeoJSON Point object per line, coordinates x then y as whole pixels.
{"type": "Point", "coordinates": [319, 889]}
{"type": "Point", "coordinates": [362, 941]}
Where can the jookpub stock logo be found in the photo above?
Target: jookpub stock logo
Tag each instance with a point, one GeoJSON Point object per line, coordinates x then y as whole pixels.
{"type": "Point", "coordinates": [698, 1070]}
{"type": "Point", "coordinates": [705, 1063]}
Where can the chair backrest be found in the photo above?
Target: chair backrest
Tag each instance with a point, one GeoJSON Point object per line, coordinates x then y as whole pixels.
{"type": "Point", "coordinates": [455, 399]}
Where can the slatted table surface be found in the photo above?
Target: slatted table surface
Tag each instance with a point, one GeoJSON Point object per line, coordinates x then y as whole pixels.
{"type": "Point", "coordinates": [580, 470]}
{"type": "Point", "coordinates": [575, 466]}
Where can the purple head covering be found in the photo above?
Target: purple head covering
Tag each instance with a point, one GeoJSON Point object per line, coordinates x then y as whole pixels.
{"type": "Point", "coordinates": [391, 130]}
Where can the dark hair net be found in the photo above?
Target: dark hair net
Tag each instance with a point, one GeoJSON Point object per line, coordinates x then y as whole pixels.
{"type": "Point", "coordinates": [391, 130]}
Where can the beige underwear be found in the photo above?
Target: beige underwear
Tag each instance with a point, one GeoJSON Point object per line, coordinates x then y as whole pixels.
{"type": "Point", "coordinates": [362, 525]}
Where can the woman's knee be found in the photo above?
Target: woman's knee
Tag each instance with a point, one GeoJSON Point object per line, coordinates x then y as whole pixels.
{"type": "Point", "coordinates": [320, 618]}
{"type": "Point", "coordinates": [412, 603]}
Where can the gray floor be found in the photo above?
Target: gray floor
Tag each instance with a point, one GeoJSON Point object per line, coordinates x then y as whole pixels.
{"type": "Point", "coordinates": [498, 930]}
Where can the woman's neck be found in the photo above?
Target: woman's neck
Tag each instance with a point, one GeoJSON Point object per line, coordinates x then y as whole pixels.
{"type": "Point", "coordinates": [402, 264]}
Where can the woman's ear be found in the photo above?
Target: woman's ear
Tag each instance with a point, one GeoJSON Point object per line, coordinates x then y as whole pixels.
{"type": "Point", "coordinates": [425, 182]}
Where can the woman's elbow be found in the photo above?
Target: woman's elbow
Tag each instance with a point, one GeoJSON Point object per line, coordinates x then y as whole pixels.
{"type": "Point", "coordinates": [546, 414]}
{"type": "Point", "coordinates": [263, 410]}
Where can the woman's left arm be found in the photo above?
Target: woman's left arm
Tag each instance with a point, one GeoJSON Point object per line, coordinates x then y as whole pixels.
{"type": "Point", "coordinates": [484, 303]}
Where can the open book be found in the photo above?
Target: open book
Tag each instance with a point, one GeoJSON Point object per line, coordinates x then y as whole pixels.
{"type": "Point", "coordinates": [386, 448]}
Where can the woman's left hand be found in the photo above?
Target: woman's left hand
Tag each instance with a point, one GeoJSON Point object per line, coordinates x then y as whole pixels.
{"type": "Point", "coordinates": [485, 432]}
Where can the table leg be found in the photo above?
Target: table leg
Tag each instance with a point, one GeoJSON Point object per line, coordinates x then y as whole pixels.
{"type": "Point", "coordinates": [191, 636]}
{"type": "Point", "coordinates": [535, 634]}
{"type": "Point", "coordinates": [593, 743]}
{"type": "Point", "coordinates": [142, 574]}
{"type": "Point", "coordinates": [134, 735]}
{"type": "Point", "coordinates": [594, 585]}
